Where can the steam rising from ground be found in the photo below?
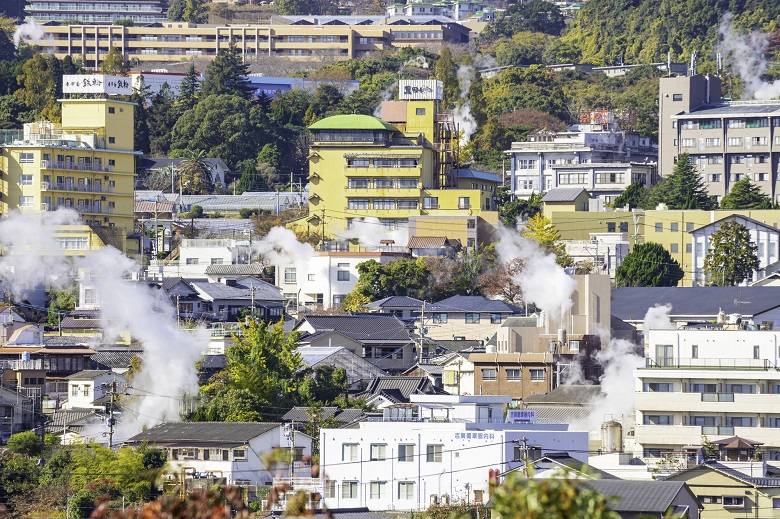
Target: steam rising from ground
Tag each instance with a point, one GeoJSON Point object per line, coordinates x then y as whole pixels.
{"type": "Point", "coordinates": [32, 32]}
{"type": "Point", "coordinates": [281, 247]}
{"type": "Point", "coordinates": [745, 56]}
{"type": "Point", "coordinates": [542, 281]}
{"type": "Point", "coordinates": [371, 232]}
{"type": "Point", "coordinates": [462, 113]}
{"type": "Point", "coordinates": [34, 258]}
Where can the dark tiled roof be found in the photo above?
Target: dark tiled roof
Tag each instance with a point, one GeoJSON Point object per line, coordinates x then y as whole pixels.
{"type": "Point", "coordinates": [301, 414]}
{"type": "Point", "coordinates": [427, 242]}
{"type": "Point", "coordinates": [70, 322]}
{"type": "Point", "coordinates": [473, 304]}
{"type": "Point", "coordinates": [88, 314]}
{"type": "Point", "coordinates": [263, 291]}
{"type": "Point", "coordinates": [65, 340]}
{"type": "Point", "coordinates": [520, 322]}
{"type": "Point", "coordinates": [217, 432]}
{"type": "Point", "coordinates": [563, 194]}
{"type": "Point", "coordinates": [396, 302]}
{"type": "Point", "coordinates": [638, 496]}
{"type": "Point", "coordinates": [571, 394]}
{"type": "Point", "coordinates": [362, 328]}
{"type": "Point", "coordinates": [398, 389]}
{"type": "Point", "coordinates": [169, 283]}
{"type": "Point", "coordinates": [453, 345]}
{"type": "Point", "coordinates": [115, 358]}
{"type": "Point", "coordinates": [64, 417]}
{"type": "Point", "coordinates": [214, 361]}
{"type": "Point", "coordinates": [252, 269]}
{"type": "Point", "coordinates": [740, 476]}
{"type": "Point", "coordinates": [88, 374]}
{"type": "Point", "coordinates": [631, 303]}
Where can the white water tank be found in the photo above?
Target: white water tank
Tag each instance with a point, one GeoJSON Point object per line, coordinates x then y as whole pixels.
{"type": "Point", "coordinates": [612, 437]}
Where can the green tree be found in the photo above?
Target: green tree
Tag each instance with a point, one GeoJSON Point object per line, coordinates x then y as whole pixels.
{"type": "Point", "coordinates": [118, 473]}
{"type": "Point", "coordinates": [176, 10]}
{"type": "Point", "coordinates": [405, 277]}
{"type": "Point", "coordinates": [195, 11]}
{"type": "Point", "coordinates": [541, 230]}
{"type": "Point", "coordinates": [115, 63]}
{"type": "Point", "coordinates": [39, 79]}
{"type": "Point", "coordinates": [746, 195]}
{"type": "Point", "coordinates": [684, 188]}
{"type": "Point", "coordinates": [249, 179]}
{"type": "Point", "coordinates": [188, 90]}
{"type": "Point", "coordinates": [61, 302]}
{"type": "Point", "coordinates": [195, 174]}
{"type": "Point", "coordinates": [732, 256]}
{"type": "Point", "coordinates": [162, 116]}
{"type": "Point", "coordinates": [446, 71]}
{"type": "Point", "coordinates": [27, 443]}
{"type": "Point", "coordinates": [633, 196]}
{"type": "Point", "coordinates": [227, 74]}
{"type": "Point", "coordinates": [534, 16]}
{"type": "Point", "coordinates": [306, 7]}
{"type": "Point", "coordinates": [323, 385]}
{"type": "Point", "coordinates": [649, 265]}
{"type": "Point", "coordinates": [510, 210]}
{"type": "Point", "coordinates": [140, 97]}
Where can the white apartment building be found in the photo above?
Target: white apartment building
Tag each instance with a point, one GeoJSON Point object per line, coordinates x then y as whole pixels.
{"type": "Point", "coordinates": [605, 250]}
{"type": "Point", "coordinates": [596, 155]}
{"type": "Point", "coordinates": [195, 256]}
{"type": "Point", "coordinates": [439, 449]}
{"type": "Point", "coordinates": [707, 381]}
{"type": "Point", "coordinates": [87, 387]}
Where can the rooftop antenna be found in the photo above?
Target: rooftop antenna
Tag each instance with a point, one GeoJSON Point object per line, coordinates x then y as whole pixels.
{"type": "Point", "coordinates": [692, 68]}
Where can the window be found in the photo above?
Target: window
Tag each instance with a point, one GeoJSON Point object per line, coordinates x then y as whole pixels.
{"type": "Point", "coordinates": [342, 275]}
{"type": "Point", "coordinates": [330, 489]}
{"type": "Point", "coordinates": [25, 180]}
{"type": "Point", "coordinates": [659, 227]}
{"type": "Point", "coordinates": [674, 227]}
{"type": "Point", "coordinates": [537, 375]}
{"type": "Point", "coordinates": [674, 248]}
{"type": "Point", "coordinates": [26, 201]}
{"type": "Point", "coordinates": [712, 142]}
{"type": "Point", "coordinates": [433, 453]}
{"type": "Point", "coordinates": [574, 345]}
{"type": "Point", "coordinates": [25, 158]}
{"type": "Point", "coordinates": [349, 452]}
{"type": "Point", "coordinates": [111, 162]}
{"type": "Point", "coordinates": [239, 454]}
{"type": "Point", "coordinates": [408, 163]}
{"type": "Point", "coordinates": [623, 226]}
{"type": "Point", "coordinates": [776, 503]}
{"type": "Point", "coordinates": [655, 419]}
{"type": "Point", "coordinates": [526, 164]}
{"type": "Point", "coordinates": [694, 351]}
{"type": "Point", "coordinates": [664, 354]}
{"type": "Point", "coordinates": [310, 277]}
{"type": "Point", "coordinates": [464, 202]}
{"type": "Point", "coordinates": [688, 143]}
{"type": "Point", "coordinates": [358, 203]}
{"type": "Point", "coordinates": [758, 141]}
{"type": "Point", "coordinates": [710, 500]}
{"type": "Point", "coordinates": [216, 261]}
{"type": "Point", "coordinates": [378, 489]}
{"type": "Point", "coordinates": [357, 163]}
{"type": "Point", "coordinates": [756, 352]}
{"type": "Point", "coordinates": [735, 141]}
{"type": "Point", "coordinates": [358, 183]}
{"type": "Point", "coordinates": [704, 388]}
{"type": "Point", "coordinates": [381, 203]}
{"type": "Point", "coordinates": [489, 374]}
{"type": "Point", "coordinates": [659, 387]}
{"type": "Point", "coordinates": [715, 159]}
{"type": "Point", "coordinates": [741, 421]}
{"type": "Point", "coordinates": [111, 140]}
{"type": "Point", "coordinates": [478, 496]}
{"type": "Point", "coordinates": [704, 421]}
{"type": "Point", "coordinates": [472, 318]}
{"type": "Point", "coordinates": [406, 490]}
{"type": "Point", "coordinates": [741, 388]}
{"type": "Point", "coordinates": [338, 299]}
{"type": "Point", "coordinates": [716, 177]}
{"type": "Point", "coordinates": [349, 490]}
{"type": "Point", "coordinates": [74, 390]}
{"type": "Point", "coordinates": [611, 227]}
{"type": "Point", "coordinates": [496, 318]}
{"type": "Point", "coordinates": [733, 502]}
{"type": "Point", "coordinates": [513, 375]}
{"type": "Point", "coordinates": [677, 97]}
{"type": "Point", "coordinates": [419, 111]}
{"type": "Point", "coordinates": [439, 318]}
{"type": "Point", "coordinates": [378, 451]}
{"type": "Point", "coordinates": [431, 202]}
{"type": "Point", "coordinates": [406, 452]}
{"type": "Point", "coordinates": [290, 275]}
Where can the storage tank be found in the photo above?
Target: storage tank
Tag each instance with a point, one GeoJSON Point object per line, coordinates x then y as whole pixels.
{"type": "Point", "coordinates": [612, 437]}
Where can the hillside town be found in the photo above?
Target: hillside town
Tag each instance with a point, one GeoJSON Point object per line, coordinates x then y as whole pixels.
{"type": "Point", "coordinates": [386, 261]}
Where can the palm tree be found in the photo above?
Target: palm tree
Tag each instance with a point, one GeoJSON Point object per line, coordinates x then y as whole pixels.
{"type": "Point", "coordinates": [195, 174]}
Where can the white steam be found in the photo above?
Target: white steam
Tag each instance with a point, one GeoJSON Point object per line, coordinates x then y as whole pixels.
{"type": "Point", "coordinates": [745, 55]}
{"type": "Point", "coordinates": [462, 114]}
{"type": "Point", "coordinates": [34, 258]}
{"type": "Point", "coordinates": [542, 281]}
{"type": "Point", "coordinates": [32, 32]}
{"type": "Point", "coordinates": [387, 95]}
{"type": "Point", "coordinates": [370, 232]}
{"type": "Point", "coordinates": [281, 247]}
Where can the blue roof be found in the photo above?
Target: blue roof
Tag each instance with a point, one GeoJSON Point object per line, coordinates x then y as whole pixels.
{"type": "Point", "coordinates": [473, 304]}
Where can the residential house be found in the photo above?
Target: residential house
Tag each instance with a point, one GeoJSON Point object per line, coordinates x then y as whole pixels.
{"type": "Point", "coordinates": [555, 465]}
{"type": "Point", "coordinates": [9, 315]}
{"type": "Point", "coordinates": [724, 492]}
{"type": "Point", "coordinates": [74, 426]}
{"type": "Point", "coordinates": [88, 387]}
{"type": "Point", "coordinates": [382, 340]}
{"type": "Point", "coordinates": [764, 236]}
{"type": "Point", "coordinates": [640, 499]}
{"type": "Point", "coordinates": [436, 246]}
{"type": "Point", "coordinates": [233, 450]}
{"type": "Point", "coordinates": [344, 417]}
{"type": "Point", "coordinates": [403, 307]}
{"type": "Point", "coordinates": [58, 356]}
{"type": "Point", "coordinates": [223, 301]}
{"type": "Point", "coordinates": [18, 413]}
{"type": "Point", "coordinates": [359, 370]}
{"type": "Point", "coordinates": [116, 359]}
{"type": "Point", "coordinates": [437, 449]}
{"type": "Point", "coordinates": [383, 392]}
{"type": "Point", "coordinates": [566, 199]}
{"type": "Point", "coordinates": [465, 318]}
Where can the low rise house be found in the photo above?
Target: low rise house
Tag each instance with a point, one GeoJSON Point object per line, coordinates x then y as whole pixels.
{"type": "Point", "coordinates": [87, 389]}
{"type": "Point", "coordinates": [358, 369]}
{"type": "Point", "coordinates": [232, 450]}
{"type": "Point", "coordinates": [639, 499]}
{"type": "Point", "coordinates": [74, 426]}
{"type": "Point", "coordinates": [465, 317]}
{"type": "Point", "coordinates": [388, 391]}
{"type": "Point", "coordinates": [18, 413]}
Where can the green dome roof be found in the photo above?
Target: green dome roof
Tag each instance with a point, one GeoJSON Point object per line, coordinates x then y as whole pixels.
{"type": "Point", "coordinates": [352, 122]}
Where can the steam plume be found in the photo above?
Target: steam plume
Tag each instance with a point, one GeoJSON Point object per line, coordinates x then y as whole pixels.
{"type": "Point", "coordinates": [371, 232]}
{"type": "Point", "coordinates": [31, 32]}
{"type": "Point", "coordinates": [745, 54]}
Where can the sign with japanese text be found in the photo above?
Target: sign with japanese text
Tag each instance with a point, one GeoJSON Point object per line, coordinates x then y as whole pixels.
{"type": "Point", "coordinates": [521, 416]}
{"type": "Point", "coordinates": [96, 84]}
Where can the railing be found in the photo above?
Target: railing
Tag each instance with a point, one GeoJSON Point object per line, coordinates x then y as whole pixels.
{"type": "Point", "coordinates": [717, 397]}
{"type": "Point", "coordinates": [713, 363]}
{"type": "Point", "coordinates": [81, 188]}
{"type": "Point", "coordinates": [21, 364]}
{"type": "Point", "coordinates": [724, 430]}
{"type": "Point", "coordinates": [464, 206]}
{"type": "Point", "coordinates": [48, 164]}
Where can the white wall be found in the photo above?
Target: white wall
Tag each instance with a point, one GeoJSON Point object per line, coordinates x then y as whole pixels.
{"type": "Point", "coordinates": [717, 346]}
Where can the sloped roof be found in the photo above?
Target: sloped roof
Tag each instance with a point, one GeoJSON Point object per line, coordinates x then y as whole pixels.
{"type": "Point", "coordinates": [144, 206]}
{"type": "Point", "coordinates": [638, 496]}
{"type": "Point", "coordinates": [352, 122]}
{"type": "Point", "coordinates": [520, 322]}
{"type": "Point", "coordinates": [263, 291]}
{"type": "Point", "coordinates": [64, 417]}
{"type": "Point", "coordinates": [301, 414]}
{"type": "Point", "coordinates": [576, 465]}
{"type": "Point", "coordinates": [427, 242]}
{"type": "Point", "coordinates": [735, 217]}
{"type": "Point", "coordinates": [563, 194]}
{"type": "Point", "coordinates": [396, 302]}
{"type": "Point", "coordinates": [362, 328]}
{"type": "Point", "coordinates": [477, 175]}
{"type": "Point", "coordinates": [212, 432]}
{"type": "Point", "coordinates": [455, 345]}
{"type": "Point", "coordinates": [64, 340]}
{"type": "Point", "coordinates": [734, 474]}
{"type": "Point", "coordinates": [70, 322]}
{"type": "Point", "coordinates": [115, 358]}
{"type": "Point", "coordinates": [312, 355]}
{"type": "Point", "coordinates": [398, 388]}
{"type": "Point", "coordinates": [567, 394]}
{"type": "Point", "coordinates": [252, 269]}
{"type": "Point", "coordinates": [631, 303]}
{"type": "Point", "coordinates": [88, 374]}
{"type": "Point", "coordinates": [461, 303]}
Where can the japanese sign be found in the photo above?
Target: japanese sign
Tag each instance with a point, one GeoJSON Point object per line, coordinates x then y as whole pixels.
{"type": "Point", "coordinates": [96, 84]}
{"type": "Point", "coordinates": [474, 436]}
{"type": "Point", "coordinates": [521, 416]}
{"type": "Point", "coordinates": [420, 89]}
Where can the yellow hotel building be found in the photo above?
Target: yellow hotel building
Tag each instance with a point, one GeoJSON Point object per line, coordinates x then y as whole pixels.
{"type": "Point", "coordinates": [401, 170]}
{"type": "Point", "coordinates": [87, 163]}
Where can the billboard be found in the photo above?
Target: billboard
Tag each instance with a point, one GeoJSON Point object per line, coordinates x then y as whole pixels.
{"type": "Point", "coordinates": [417, 89]}
{"type": "Point", "coordinates": [96, 84]}
{"type": "Point", "coordinates": [521, 416]}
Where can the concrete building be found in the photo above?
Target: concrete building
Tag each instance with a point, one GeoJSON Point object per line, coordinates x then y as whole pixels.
{"type": "Point", "coordinates": [88, 389]}
{"type": "Point", "coordinates": [595, 154]}
{"type": "Point", "coordinates": [727, 140]}
{"type": "Point", "coordinates": [707, 381]}
{"type": "Point", "coordinates": [455, 9]}
{"type": "Point", "coordinates": [96, 11]}
{"type": "Point", "coordinates": [291, 37]}
{"type": "Point", "coordinates": [439, 449]}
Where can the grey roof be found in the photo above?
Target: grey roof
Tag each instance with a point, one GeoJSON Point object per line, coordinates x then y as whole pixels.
{"type": "Point", "coordinates": [576, 465]}
{"type": "Point", "coordinates": [225, 226]}
{"type": "Point", "coordinates": [740, 476]}
{"type": "Point", "coordinates": [263, 291]}
{"type": "Point", "coordinates": [211, 432]}
{"type": "Point", "coordinates": [431, 369]}
{"type": "Point", "coordinates": [396, 302]}
{"type": "Point", "coordinates": [560, 413]}
{"type": "Point", "coordinates": [264, 201]}
{"type": "Point", "coordinates": [88, 374]}
{"type": "Point", "coordinates": [638, 496]}
{"type": "Point", "coordinates": [455, 345]}
{"type": "Point", "coordinates": [70, 322]}
{"type": "Point", "coordinates": [620, 324]}
{"type": "Point", "coordinates": [169, 283]}
{"type": "Point", "coordinates": [477, 175]}
{"type": "Point", "coordinates": [214, 361]}
{"type": "Point", "coordinates": [64, 417]}
{"type": "Point", "coordinates": [567, 394]}
{"type": "Point", "coordinates": [362, 328]}
{"type": "Point", "coordinates": [563, 194]}
{"type": "Point", "coordinates": [65, 340]}
{"type": "Point", "coordinates": [631, 303]}
{"type": "Point", "coordinates": [302, 414]}
{"type": "Point", "coordinates": [734, 217]}
{"type": "Point", "coordinates": [769, 107]}
{"type": "Point", "coordinates": [473, 304]}
{"type": "Point", "coordinates": [115, 358]}
{"type": "Point", "coordinates": [252, 269]}
{"type": "Point", "coordinates": [520, 322]}
{"type": "Point", "coordinates": [398, 389]}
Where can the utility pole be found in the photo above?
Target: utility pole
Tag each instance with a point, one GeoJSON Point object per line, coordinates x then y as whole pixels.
{"type": "Point", "coordinates": [111, 420]}
{"type": "Point", "coordinates": [252, 289]}
{"type": "Point", "coordinates": [524, 451]}
{"type": "Point", "coordinates": [322, 238]}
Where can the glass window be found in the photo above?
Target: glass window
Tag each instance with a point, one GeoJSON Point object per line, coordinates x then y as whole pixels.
{"type": "Point", "coordinates": [433, 453]}
{"type": "Point", "coordinates": [26, 180]}
{"type": "Point", "coordinates": [342, 275]}
{"type": "Point", "coordinates": [406, 490]}
{"type": "Point", "coordinates": [349, 489]}
{"type": "Point", "coordinates": [659, 387]}
{"type": "Point", "coordinates": [464, 202]}
{"type": "Point", "coordinates": [663, 419]}
{"type": "Point", "coordinates": [431, 202]}
{"type": "Point", "coordinates": [358, 203]}
{"type": "Point", "coordinates": [489, 374]}
{"type": "Point", "coordinates": [349, 452]}
{"type": "Point", "coordinates": [674, 248]}
{"type": "Point", "coordinates": [239, 454]}
{"type": "Point", "coordinates": [537, 375]}
{"type": "Point", "coordinates": [26, 201]}
{"type": "Point", "coordinates": [513, 375]}
{"type": "Point", "coordinates": [472, 318]}
{"type": "Point", "coordinates": [733, 502]}
{"type": "Point", "coordinates": [25, 158]}
{"type": "Point", "coordinates": [674, 227]}
{"type": "Point", "coordinates": [330, 489]}
{"type": "Point", "coordinates": [659, 227]}
{"type": "Point", "coordinates": [406, 452]}
{"type": "Point", "coordinates": [677, 97]}
{"type": "Point", "coordinates": [574, 345]}
{"type": "Point", "coordinates": [378, 451]}
{"type": "Point", "coordinates": [290, 275]}
{"type": "Point", "coordinates": [378, 490]}
{"type": "Point", "coordinates": [440, 317]}
{"type": "Point", "coordinates": [496, 318]}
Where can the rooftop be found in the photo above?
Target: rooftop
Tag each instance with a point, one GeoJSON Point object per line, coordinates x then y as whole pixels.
{"type": "Point", "coordinates": [210, 432]}
{"type": "Point", "coordinates": [563, 194]}
{"type": "Point", "coordinates": [352, 122]}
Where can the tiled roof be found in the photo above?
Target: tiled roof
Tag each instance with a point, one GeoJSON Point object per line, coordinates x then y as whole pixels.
{"type": "Point", "coordinates": [302, 414]}
{"type": "Point", "coordinates": [115, 358]}
{"type": "Point", "coordinates": [473, 304]}
{"type": "Point", "coordinates": [169, 283]}
{"type": "Point", "coordinates": [427, 242]}
{"type": "Point", "coordinates": [70, 322]}
{"type": "Point", "coordinates": [64, 417]}
{"type": "Point", "coordinates": [396, 302]}
{"type": "Point", "coordinates": [64, 340]}
{"type": "Point", "coordinates": [398, 389]}
{"type": "Point", "coordinates": [88, 374]}
{"type": "Point", "coordinates": [574, 464]}
{"type": "Point", "coordinates": [213, 432]}
{"type": "Point", "coordinates": [144, 206]}
{"type": "Point", "coordinates": [563, 194]}
{"type": "Point", "coordinates": [362, 328]}
{"type": "Point", "coordinates": [638, 496]}
{"type": "Point", "coordinates": [431, 369]}
{"type": "Point", "coordinates": [252, 269]}
{"type": "Point", "coordinates": [740, 476]}
{"type": "Point", "coordinates": [520, 322]}
{"type": "Point", "coordinates": [87, 314]}
{"type": "Point", "coordinates": [263, 291]}
{"type": "Point", "coordinates": [478, 175]}
{"type": "Point", "coordinates": [453, 345]}
{"type": "Point", "coordinates": [567, 394]}
{"type": "Point", "coordinates": [214, 362]}
{"type": "Point", "coordinates": [560, 413]}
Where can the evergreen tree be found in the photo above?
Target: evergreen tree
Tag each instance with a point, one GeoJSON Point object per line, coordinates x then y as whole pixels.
{"type": "Point", "coordinates": [140, 120]}
{"type": "Point", "coordinates": [633, 196]}
{"type": "Point", "coordinates": [477, 100]}
{"type": "Point", "coordinates": [40, 77]}
{"type": "Point", "coordinates": [684, 188]}
{"type": "Point", "coordinates": [746, 195]}
{"type": "Point", "coordinates": [195, 11]}
{"type": "Point", "coordinates": [447, 72]}
{"type": "Point", "coordinates": [176, 10]}
{"type": "Point", "coordinates": [162, 117]}
{"type": "Point", "coordinates": [249, 179]}
{"type": "Point", "coordinates": [227, 74]}
{"type": "Point", "coordinates": [188, 90]}
{"type": "Point", "coordinates": [649, 265]}
{"type": "Point", "coordinates": [114, 63]}
{"type": "Point", "coordinates": [732, 256]}
{"type": "Point", "coordinates": [541, 230]}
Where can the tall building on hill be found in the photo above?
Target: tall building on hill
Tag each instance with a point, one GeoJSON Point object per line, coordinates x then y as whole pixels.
{"type": "Point", "coordinates": [97, 11]}
{"type": "Point", "coordinates": [400, 169]}
{"type": "Point", "coordinates": [86, 163]}
{"type": "Point", "coordinates": [727, 140]}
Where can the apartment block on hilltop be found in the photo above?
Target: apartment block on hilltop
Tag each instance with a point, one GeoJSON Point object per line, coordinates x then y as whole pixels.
{"type": "Point", "coordinates": [727, 140]}
{"type": "Point", "coordinates": [96, 11]}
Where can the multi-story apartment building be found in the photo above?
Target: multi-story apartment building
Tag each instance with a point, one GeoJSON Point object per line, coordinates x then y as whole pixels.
{"type": "Point", "coordinates": [727, 140]}
{"type": "Point", "coordinates": [707, 381]}
{"type": "Point", "coordinates": [96, 11]}
{"type": "Point", "coordinates": [399, 169]}
{"type": "Point", "coordinates": [85, 164]}
{"type": "Point", "coordinates": [595, 154]}
{"type": "Point", "coordinates": [455, 9]}
{"type": "Point", "coordinates": [308, 38]}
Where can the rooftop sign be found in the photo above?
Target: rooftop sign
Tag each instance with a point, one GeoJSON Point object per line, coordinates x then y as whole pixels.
{"type": "Point", "coordinates": [417, 89]}
{"type": "Point", "coordinates": [96, 84]}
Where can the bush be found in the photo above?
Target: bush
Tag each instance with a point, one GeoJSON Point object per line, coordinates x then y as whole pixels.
{"type": "Point", "coordinates": [247, 213]}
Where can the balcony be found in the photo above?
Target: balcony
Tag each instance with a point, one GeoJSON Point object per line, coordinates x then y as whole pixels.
{"type": "Point", "coordinates": [717, 397]}
{"type": "Point", "coordinates": [54, 139]}
{"type": "Point", "coordinates": [714, 363]}
{"type": "Point", "coordinates": [462, 205]}
{"type": "Point", "coordinates": [719, 430]}
{"type": "Point", "coordinates": [80, 188]}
